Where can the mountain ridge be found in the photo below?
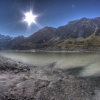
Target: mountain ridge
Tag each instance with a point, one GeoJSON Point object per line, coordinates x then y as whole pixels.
{"type": "Point", "coordinates": [7, 42]}
{"type": "Point", "coordinates": [61, 37]}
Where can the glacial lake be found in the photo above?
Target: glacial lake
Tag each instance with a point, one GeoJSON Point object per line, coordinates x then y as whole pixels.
{"type": "Point", "coordinates": [62, 60]}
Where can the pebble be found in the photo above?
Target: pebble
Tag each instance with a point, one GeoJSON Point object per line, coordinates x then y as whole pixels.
{"type": "Point", "coordinates": [58, 88]}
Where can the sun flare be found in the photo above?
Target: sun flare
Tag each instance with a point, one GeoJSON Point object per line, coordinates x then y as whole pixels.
{"type": "Point", "coordinates": [29, 18]}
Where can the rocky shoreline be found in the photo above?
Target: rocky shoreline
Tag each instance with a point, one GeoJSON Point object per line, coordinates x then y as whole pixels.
{"type": "Point", "coordinates": [54, 51]}
{"type": "Point", "coordinates": [22, 82]}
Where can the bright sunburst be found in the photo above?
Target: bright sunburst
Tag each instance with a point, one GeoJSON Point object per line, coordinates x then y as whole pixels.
{"type": "Point", "coordinates": [29, 18]}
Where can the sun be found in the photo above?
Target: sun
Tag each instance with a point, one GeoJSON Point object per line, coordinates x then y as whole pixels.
{"type": "Point", "coordinates": [29, 18]}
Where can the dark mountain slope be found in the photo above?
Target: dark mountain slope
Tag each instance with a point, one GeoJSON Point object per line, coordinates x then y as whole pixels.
{"type": "Point", "coordinates": [4, 41]}
{"type": "Point", "coordinates": [52, 37]}
{"type": "Point", "coordinates": [41, 36]}
{"type": "Point", "coordinates": [70, 35]}
{"type": "Point", "coordinates": [14, 41]}
{"type": "Point", "coordinates": [7, 42]}
{"type": "Point", "coordinates": [81, 28]}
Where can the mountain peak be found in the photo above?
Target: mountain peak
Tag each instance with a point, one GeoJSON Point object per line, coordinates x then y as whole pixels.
{"type": "Point", "coordinates": [77, 29]}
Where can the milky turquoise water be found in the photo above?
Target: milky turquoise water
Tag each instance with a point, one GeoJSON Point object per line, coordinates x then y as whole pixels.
{"type": "Point", "coordinates": [64, 60]}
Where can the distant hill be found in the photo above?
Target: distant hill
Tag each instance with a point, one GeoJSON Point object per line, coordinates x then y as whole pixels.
{"type": "Point", "coordinates": [81, 33]}
{"type": "Point", "coordinates": [41, 36]}
{"type": "Point", "coordinates": [7, 42]}
{"type": "Point", "coordinates": [14, 41]}
{"type": "Point", "coordinates": [4, 40]}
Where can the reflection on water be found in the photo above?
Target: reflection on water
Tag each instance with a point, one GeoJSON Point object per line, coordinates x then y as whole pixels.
{"type": "Point", "coordinates": [90, 61]}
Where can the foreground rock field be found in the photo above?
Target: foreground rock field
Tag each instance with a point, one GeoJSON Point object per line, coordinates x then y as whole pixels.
{"type": "Point", "coordinates": [22, 82]}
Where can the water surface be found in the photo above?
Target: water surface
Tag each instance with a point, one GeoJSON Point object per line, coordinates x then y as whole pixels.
{"type": "Point", "coordinates": [90, 61]}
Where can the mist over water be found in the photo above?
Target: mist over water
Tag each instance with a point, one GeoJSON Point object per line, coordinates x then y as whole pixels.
{"type": "Point", "coordinates": [90, 62]}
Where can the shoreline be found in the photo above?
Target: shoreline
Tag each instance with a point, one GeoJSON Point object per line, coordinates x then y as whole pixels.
{"type": "Point", "coordinates": [59, 51]}
{"type": "Point", "coordinates": [22, 82]}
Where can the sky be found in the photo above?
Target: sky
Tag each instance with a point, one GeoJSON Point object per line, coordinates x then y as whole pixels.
{"type": "Point", "coordinates": [52, 13]}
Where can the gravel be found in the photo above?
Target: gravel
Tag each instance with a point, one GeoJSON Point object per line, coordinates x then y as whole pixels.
{"type": "Point", "coordinates": [22, 82]}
